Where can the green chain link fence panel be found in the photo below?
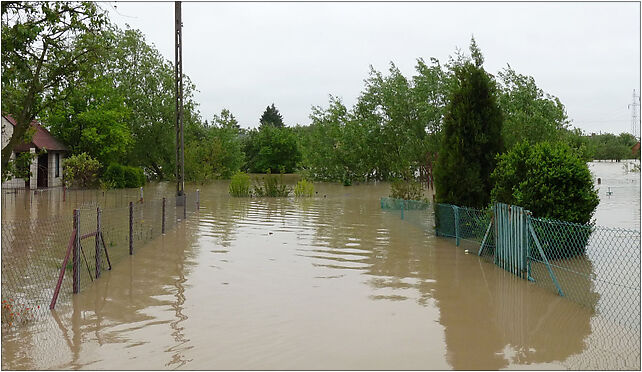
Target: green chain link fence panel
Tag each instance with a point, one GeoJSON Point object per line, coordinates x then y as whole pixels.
{"type": "Point", "coordinates": [398, 204]}
{"type": "Point", "coordinates": [594, 266]}
{"type": "Point", "coordinates": [445, 220]}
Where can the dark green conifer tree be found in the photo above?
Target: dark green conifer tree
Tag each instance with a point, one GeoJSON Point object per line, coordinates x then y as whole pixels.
{"type": "Point", "coordinates": [271, 116]}
{"type": "Point", "coordinates": [471, 138]}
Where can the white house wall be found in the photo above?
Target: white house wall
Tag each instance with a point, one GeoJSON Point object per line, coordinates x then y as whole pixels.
{"type": "Point", "coordinates": [52, 180]}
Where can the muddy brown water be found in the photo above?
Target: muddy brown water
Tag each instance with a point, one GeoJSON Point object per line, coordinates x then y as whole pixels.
{"type": "Point", "coordinates": [329, 282]}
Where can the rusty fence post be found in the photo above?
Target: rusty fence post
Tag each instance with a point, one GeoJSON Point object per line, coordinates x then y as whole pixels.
{"type": "Point", "coordinates": [163, 220]}
{"type": "Point", "coordinates": [76, 253]}
{"type": "Point", "coordinates": [131, 228]}
{"type": "Point", "coordinates": [98, 250]}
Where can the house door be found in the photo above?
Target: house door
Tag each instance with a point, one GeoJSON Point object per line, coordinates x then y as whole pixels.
{"type": "Point", "coordinates": [43, 170]}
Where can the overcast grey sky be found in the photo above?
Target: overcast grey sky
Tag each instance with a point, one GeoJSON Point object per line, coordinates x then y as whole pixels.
{"type": "Point", "coordinates": [244, 56]}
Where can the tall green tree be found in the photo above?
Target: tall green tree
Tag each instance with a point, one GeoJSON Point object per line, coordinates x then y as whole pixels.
{"type": "Point", "coordinates": [213, 151]}
{"type": "Point", "coordinates": [93, 117]}
{"type": "Point", "coordinates": [471, 136]}
{"type": "Point", "coordinates": [529, 114]}
{"type": "Point", "coordinates": [147, 83]}
{"type": "Point", "coordinates": [271, 148]}
{"type": "Point", "coordinates": [271, 116]}
{"type": "Point", "coordinates": [120, 107]}
{"type": "Point", "coordinates": [43, 45]}
{"type": "Point", "coordinates": [387, 134]}
{"type": "Point", "coordinates": [328, 153]}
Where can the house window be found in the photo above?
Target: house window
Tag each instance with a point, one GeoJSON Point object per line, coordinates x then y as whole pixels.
{"type": "Point", "coordinates": [57, 165]}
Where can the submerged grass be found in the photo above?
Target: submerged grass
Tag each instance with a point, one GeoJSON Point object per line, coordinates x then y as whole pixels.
{"type": "Point", "coordinates": [304, 188]}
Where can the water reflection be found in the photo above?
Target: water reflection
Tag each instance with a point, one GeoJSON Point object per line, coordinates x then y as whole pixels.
{"type": "Point", "coordinates": [494, 319]}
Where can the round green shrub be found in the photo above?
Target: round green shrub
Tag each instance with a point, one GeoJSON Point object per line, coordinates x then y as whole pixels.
{"type": "Point", "coordinates": [551, 181]}
{"type": "Point", "coordinates": [80, 170]}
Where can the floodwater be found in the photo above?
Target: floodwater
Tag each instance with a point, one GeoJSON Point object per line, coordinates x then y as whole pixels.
{"type": "Point", "coordinates": [329, 282]}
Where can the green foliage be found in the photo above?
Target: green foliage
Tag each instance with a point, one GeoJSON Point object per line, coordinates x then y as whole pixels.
{"type": "Point", "coordinates": [271, 186]}
{"type": "Point", "coordinates": [304, 188]}
{"type": "Point", "coordinates": [406, 189]}
{"type": "Point", "coordinates": [80, 170]}
{"type": "Point", "coordinates": [240, 184]}
{"type": "Point", "coordinates": [471, 139]}
{"type": "Point", "coordinates": [271, 117]}
{"type": "Point", "coordinates": [611, 147]}
{"type": "Point", "coordinates": [271, 148]}
{"type": "Point", "coordinates": [119, 106]}
{"type": "Point", "coordinates": [92, 119]}
{"type": "Point", "coordinates": [120, 176]}
{"type": "Point", "coordinates": [578, 142]}
{"type": "Point", "coordinates": [213, 151]}
{"type": "Point", "coordinates": [44, 44]}
{"type": "Point", "coordinates": [529, 113]}
{"type": "Point", "coordinates": [18, 167]}
{"type": "Point", "coordinates": [389, 132]}
{"type": "Point", "coordinates": [549, 179]}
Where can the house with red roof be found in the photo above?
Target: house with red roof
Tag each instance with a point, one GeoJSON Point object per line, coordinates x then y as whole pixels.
{"type": "Point", "coordinates": [46, 167]}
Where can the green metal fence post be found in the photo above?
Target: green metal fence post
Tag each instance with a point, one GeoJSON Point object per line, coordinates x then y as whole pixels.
{"type": "Point", "coordinates": [456, 216]}
{"type": "Point", "coordinates": [541, 252]}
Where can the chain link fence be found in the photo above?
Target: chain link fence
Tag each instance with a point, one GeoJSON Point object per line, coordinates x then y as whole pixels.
{"type": "Point", "coordinates": [32, 255]}
{"type": "Point", "coordinates": [594, 266]}
{"type": "Point", "coordinates": [34, 249]}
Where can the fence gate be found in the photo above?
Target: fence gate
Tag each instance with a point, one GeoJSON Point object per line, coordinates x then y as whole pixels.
{"type": "Point", "coordinates": [514, 238]}
{"type": "Point", "coordinates": [511, 234]}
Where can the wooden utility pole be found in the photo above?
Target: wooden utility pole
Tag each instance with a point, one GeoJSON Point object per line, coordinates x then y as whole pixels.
{"type": "Point", "coordinates": [178, 70]}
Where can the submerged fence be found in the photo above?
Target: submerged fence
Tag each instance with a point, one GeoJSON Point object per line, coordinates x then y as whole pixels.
{"type": "Point", "coordinates": [46, 260]}
{"type": "Point", "coordinates": [597, 267]}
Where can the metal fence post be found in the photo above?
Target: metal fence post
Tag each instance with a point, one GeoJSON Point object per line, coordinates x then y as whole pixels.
{"type": "Point", "coordinates": [456, 215]}
{"type": "Point", "coordinates": [548, 265]}
{"type": "Point", "coordinates": [163, 220]}
{"type": "Point", "coordinates": [131, 228]}
{"type": "Point", "coordinates": [141, 194]}
{"type": "Point", "coordinates": [76, 253]}
{"type": "Point", "coordinates": [64, 193]}
{"type": "Point", "coordinates": [198, 199]}
{"type": "Point", "coordinates": [98, 255]}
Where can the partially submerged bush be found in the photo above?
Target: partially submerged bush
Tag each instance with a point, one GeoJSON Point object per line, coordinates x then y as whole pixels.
{"type": "Point", "coordinates": [551, 181]}
{"type": "Point", "coordinates": [240, 184]}
{"type": "Point", "coordinates": [304, 188]}
{"type": "Point", "coordinates": [271, 186]}
{"type": "Point", "coordinates": [121, 176]}
{"type": "Point", "coordinates": [80, 170]}
{"type": "Point", "coordinates": [408, 190]}
{"type": "Point", "coordinates": [548, 179]}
